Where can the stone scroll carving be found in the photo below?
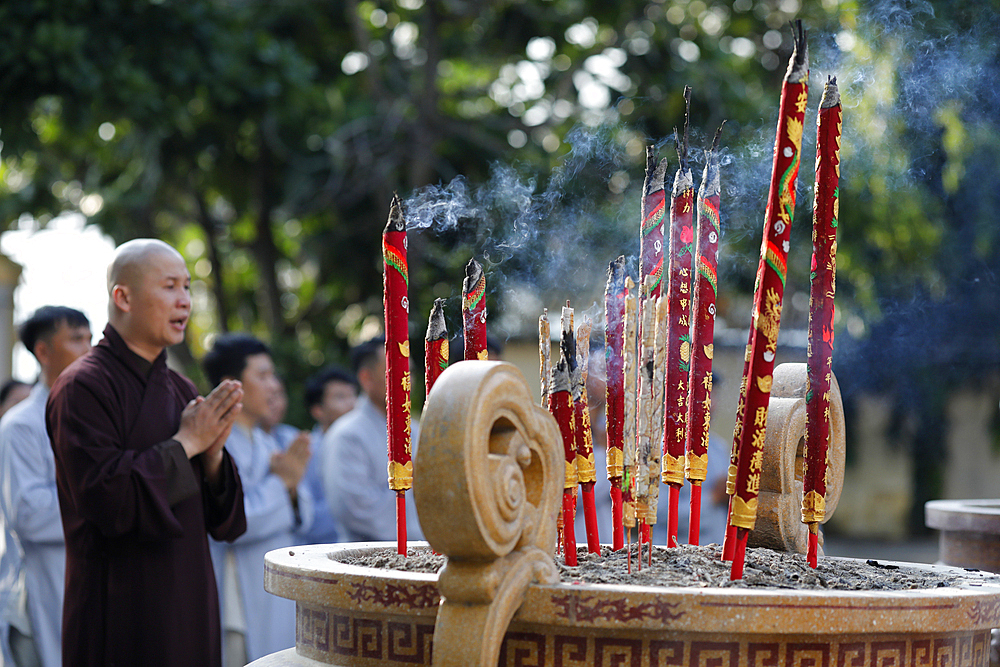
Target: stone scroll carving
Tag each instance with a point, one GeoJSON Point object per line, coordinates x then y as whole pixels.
{"type": "Point", "coordinates": [779, 520]}
{"type": "Point", "coordinates": [487, 482]}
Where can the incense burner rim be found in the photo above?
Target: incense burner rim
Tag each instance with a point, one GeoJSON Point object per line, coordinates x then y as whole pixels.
{"type": "Point", "coordinates": [311, 575]}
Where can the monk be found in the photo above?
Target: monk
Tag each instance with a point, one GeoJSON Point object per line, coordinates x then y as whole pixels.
{"type": "Point", "coordinates": [143, 479]}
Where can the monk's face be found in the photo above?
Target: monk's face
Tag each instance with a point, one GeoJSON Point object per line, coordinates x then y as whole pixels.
{"type": "Point", "coordinates": [162, 301]}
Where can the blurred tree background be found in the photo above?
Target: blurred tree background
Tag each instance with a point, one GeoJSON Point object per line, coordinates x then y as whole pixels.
{"type": "Point", "coordinates": [265, 139]}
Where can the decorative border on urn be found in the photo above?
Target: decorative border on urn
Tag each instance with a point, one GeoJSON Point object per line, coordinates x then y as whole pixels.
{"type": "Point", "coordinates": [347, 638]}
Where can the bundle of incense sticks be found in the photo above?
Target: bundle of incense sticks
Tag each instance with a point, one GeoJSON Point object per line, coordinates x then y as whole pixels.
{"type": "Point", "coordinates": [704, 295]}
{"type": "Point", "coordinates": [770, 290]}
{"type": "Point", "coordinates": [474, 310]}
{"type": "Point", "coordinates": [561, 407]}
{"type": "Point", "coordinates": [544, 354]}
{"type": "Point", "coordinates": [821, 293]}
{"type": "Point", "coordinates": [630, 366]}
{"type": "Point", "coordinates": [646, 412]}
{"type": "Point", "coordinates": [656, 421]}
{"type": "Point", "coordinates": [397, 363]}
{"type": "Point", "coordinates": [435, 345]}
{"type": "Point", "coordinates": [614, 341]}
{"type": "Point", "coordinates": [586, 474]}
{"type": "Point", "coordinates": [679, 324]}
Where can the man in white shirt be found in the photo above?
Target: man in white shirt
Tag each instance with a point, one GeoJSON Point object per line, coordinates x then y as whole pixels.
{"type": "Point", "coordinates": [278, 505]}
{"type": "Point", "coordinates": [57, 336]}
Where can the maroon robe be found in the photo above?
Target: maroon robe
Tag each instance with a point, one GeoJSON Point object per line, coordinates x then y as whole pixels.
{"type": "Point", "coordinates": [140, 589]}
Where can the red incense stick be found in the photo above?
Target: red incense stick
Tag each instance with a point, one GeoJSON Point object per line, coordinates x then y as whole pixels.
{"type": "Point", "coordinates": [767, 307]}
{"type": "Point", "coordinates": [822, 286]}
{"type": "Point", "coordinates": [630, 368]}
{"type": "Point", "coordinates": [702, 335]}
{"type": "Point", "coordinates": [397, 363]}
{"type": "Point", "coordinates": [474, 310]}
{"type": "Point", "coordinates": [614, 337]}
{"type": "Point", "coordinates": [586, 473]}
{"type": "Point", "coordinates": [561, 407]}
{"type": "Point", "coordinates": [435, 345]}
{"type": "Point", "coordinates": [678, 325]}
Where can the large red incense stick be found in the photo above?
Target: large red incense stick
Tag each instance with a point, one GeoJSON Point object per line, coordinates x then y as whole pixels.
{"type": "Point", "coordinates": [561, 407]}
{"type": "Point", "coordinates": [614, 338]}
{"type": "Point", "coordinates": [630, 368]}
{"type": "Point", "coordinates": [729, 542]}
{"type": "Point", "coordinates": [397, 363]}
{"type": "Point", "coordinates": [653, 210]}
{"type": "Point", "coordinates": [435, 345]}
{"type": "Point", "coordinates": [704, 294]}
{"type": "Point", "coordinates": [678, 326]}
{"type": "Point", "coordinates": [474, 310]}
{"type": "Point", "coordinates": [767, 307]}
{"type": "Point", "coordinates": [586, 473]}
{"type": "Point", "coordinates": [822, 285]}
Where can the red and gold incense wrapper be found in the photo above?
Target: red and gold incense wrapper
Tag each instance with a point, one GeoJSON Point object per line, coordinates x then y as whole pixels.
{"type": "Point", "coordinates": [630, 367]}
{"type": "Point", "coordinates": [704, 293]}
{"type": "Point", "coordinates": [435, 345]}
{"type": "Point", "coordinates": [396, 305]}
{"type": "Point", "coordinates": [767, 306]}
{"type": "Point", "coordinates": [562, 407]}
{"type": "Point", "coordinates": [586, 473]}
{"type": "Point", "coordinates": [678, 328]}
{"type": "Point", "coordinates": [822, 286]}
{"type": "Point", "coordinates": [614, 341]}
{"type": "Point", "coordinates": [653, 210]}
{"type": "Point", "coordinates": [544, 354]}
{"type": "Point", "coordinates": [474, 310]}
{"type": "Point", "coordinates": [729, 541]}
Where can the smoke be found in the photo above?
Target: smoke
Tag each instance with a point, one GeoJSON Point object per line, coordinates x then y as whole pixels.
{"type": "Point", "coordinates": [541, 239]}
{"type": "Point", "coordinates": [902, 69]}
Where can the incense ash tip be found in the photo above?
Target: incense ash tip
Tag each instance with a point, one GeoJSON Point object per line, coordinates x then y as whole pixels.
{"type": "Point", "coordinates": [396, 223]}
{"type": "Point", "coordinates": [831, 94]}
{"type": "Point", "coordinates": [473, 274]}
{"type": "Point", "coordinates": [437, 328]}
{"type": "Point", "coordinates": [798, 64]}
{"type": "Point", "coordinates": [655, 172]}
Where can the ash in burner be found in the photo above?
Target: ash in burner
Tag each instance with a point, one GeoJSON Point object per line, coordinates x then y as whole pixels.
{"type": "Point", "coordinates": [700, 567]}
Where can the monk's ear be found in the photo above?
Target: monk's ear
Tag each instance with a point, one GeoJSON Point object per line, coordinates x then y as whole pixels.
{"type": "Point", "coordinates": [122, 298]}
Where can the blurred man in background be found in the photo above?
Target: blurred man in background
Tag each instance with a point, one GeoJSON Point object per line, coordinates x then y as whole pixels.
{"type": "Point", "coordinates": [56, 336]}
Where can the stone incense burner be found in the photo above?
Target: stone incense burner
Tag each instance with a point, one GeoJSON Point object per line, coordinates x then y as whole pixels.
{"type": "Point", "coordinates": [487, 483]}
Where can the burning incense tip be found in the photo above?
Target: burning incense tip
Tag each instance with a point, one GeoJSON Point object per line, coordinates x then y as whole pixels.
{"type": "Point", "coordinates": [798, 64]}
{"type": "Point", "coordinates": [831, 94]}
{"type": "Point", "coordinates": [655, 172]}
{"type": "Point", "coordinates": [436, 327]}
{"type": "Point", "coordinates": [396, 222]}
{"type": "Point", "coordinates": [473, 273]}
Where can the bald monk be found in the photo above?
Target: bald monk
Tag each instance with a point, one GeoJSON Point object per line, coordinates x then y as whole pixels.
{"type": "Point", "coordinates": [142, 478]}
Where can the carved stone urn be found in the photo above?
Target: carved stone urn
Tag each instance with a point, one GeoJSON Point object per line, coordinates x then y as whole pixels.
{"type": "Point", "coordinates": [487, 480]}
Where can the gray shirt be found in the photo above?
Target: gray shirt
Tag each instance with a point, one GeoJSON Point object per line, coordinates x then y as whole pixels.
{"type": "Point", "coordinates": [355, 477]}
{"type": "Point", "coordinates": [31, 511]}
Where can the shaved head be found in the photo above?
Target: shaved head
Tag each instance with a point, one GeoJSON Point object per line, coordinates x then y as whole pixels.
{"type": "Point", "coordinates": [126, 267]}
{"type": "Point", "coordinates": [149, 296]}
